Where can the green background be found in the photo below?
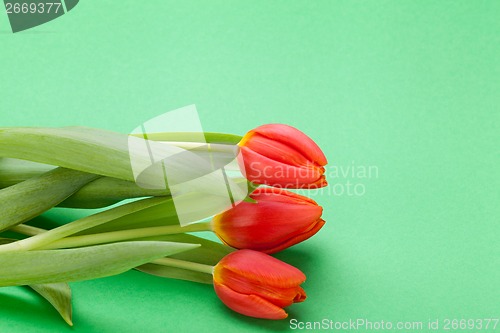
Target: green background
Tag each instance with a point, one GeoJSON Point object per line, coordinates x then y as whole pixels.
{"type": "Point", "coordinates": [411, 88]}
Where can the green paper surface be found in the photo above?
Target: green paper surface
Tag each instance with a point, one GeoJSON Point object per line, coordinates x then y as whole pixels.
{"type": "Point", "coordinates": [402, 96]}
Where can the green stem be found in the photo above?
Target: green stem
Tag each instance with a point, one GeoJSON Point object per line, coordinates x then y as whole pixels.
{"type": "Point", "coordinates": [123, 235]}
{"type": "Point", "coordinates": [131, 234]}
{"type": "Point", "coordinates": [192, 266]}
{"type": "Point", "coordinates": [79, 225]}
{"type": "Point", "coordinates": [27, 230]}
{"type": "Point", "coordinates": [210, 137]}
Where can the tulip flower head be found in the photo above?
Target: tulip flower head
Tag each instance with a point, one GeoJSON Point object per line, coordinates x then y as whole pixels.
{"type": "Point", "coordinates": [257, 285]}
{"type": "Point", "coordinates": [277, 220]}
{"type": "Point", "coordinates": [282, 156]}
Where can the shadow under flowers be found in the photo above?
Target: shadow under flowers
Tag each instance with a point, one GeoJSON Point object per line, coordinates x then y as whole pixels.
{"type": "Point", "coordinates": [20, 303]}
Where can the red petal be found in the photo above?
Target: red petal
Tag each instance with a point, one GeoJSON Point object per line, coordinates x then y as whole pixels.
{"type": "Point", "coordinates": [301, 296]}
{"type": "Point", "coordinates": [249, 305]}
{"type": "Point", "coordinates": [294, 138]}
{"type": "Point", "coordinates": [262, 170]}
{"type": "Point", "coordinates": [297, 239]}
{"type": "Point", "coordinates": [281, 297]}
{"type": "Point", "coordinates": [280, 195]}
{"type": "Point", "coordinates": [277, 151]}
{"type": "Point", "coordinates": [261, 268]}
{"type": "Point", "coordinates": [274, 220]}
{"type": "Point", "coordinates": [321, 182]}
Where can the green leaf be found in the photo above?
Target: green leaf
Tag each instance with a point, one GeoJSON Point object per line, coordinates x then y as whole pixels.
{"type": "Point", "coordinates": [34, 196]}
{"type": "Point", "coordinates": [209, 253]}
{"type": "Point", "coordinates": [161, 214]}
{"type": "Point", "coordinates": [89, 150]}
{"type": "Point", "coordinates": [102, 192]}
{"type": "Point", "coordinates": [59, 295]}
{"type": "Point", "coordinates": [85, 149]}
{"type": "Point", "coordinates": [55, 266]}
{"type": "Point", "coordinates": [108, 191]}
{"type": "Point", "coordinates": [176, 273]}
{"type": "Point", "coordinates": [13, 171]}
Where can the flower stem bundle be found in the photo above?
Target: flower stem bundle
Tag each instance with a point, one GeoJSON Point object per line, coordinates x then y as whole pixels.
{"type": "Point", "coordinates": [147, 215]}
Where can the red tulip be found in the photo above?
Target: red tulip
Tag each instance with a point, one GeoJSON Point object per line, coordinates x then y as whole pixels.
{"type": "Point", "coordinates": [278, 220]}
{"type": "Point", "coordinates": [282, 156]}
{"type": "Point", "coordinates": [258, 285]}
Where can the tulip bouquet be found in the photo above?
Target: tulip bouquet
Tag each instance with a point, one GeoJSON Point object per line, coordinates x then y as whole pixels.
{"type": "Point", "coordinates": [139, 224]}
